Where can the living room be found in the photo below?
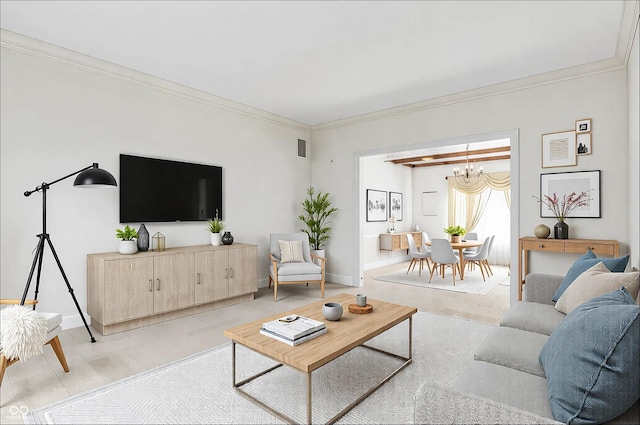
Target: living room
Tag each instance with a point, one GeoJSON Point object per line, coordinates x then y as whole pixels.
{"type": "Point", "coordinates": [62, 110]}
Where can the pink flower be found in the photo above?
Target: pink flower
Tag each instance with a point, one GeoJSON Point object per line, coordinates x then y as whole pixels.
{"type": "Point", "coordinates": [562, 208]}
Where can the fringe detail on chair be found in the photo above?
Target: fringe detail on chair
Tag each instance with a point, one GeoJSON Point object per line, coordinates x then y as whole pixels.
{"type": "Point", "coordinates": [22, 332]}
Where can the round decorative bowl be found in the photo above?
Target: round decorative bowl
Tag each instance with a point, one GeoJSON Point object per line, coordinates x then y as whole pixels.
{"type": "Point", "coordinates": [541, 231]}
{"type": "Point", "coordinates": [332, 311]}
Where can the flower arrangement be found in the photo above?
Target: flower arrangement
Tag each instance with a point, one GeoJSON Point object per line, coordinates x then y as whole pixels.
{"type": "Point", "coordinates": [561, 208]}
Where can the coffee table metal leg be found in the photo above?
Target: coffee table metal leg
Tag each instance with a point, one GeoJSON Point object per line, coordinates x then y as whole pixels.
{"type": "Point", "coordinates": [309, 398]}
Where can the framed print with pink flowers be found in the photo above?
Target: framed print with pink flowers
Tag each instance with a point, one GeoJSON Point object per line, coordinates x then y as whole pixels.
{"type": "Point", "coordinates": [567, 187]}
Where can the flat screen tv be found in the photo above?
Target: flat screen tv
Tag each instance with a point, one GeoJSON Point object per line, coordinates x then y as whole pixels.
{"type": "Point", "coordinates": [159, 190]}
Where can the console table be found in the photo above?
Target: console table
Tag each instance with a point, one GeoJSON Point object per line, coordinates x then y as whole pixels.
{"type": "Point", "coordinates": [128, 291]}
{"type": "Point", "coordinates": [398, 241]}
{"type": "Point", "coordinates": [599, 247]}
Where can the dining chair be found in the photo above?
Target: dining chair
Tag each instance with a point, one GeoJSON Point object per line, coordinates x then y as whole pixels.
{"type": "Point", "coordinates": [425, 239]}
{"type": "Point", "coordinates": [486, 261]}
{"type": "Point", "coordinates": [471, 236]}
{"type": "Point", "coordinates": [480, 257]}
{"type": "Point", "coordinates": [442, 255]}
{"type": "Point", "coordinates": [416, 256]}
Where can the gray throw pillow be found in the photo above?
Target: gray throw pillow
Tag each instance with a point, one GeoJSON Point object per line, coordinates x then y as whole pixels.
{"type": "Point", "coordinates": [591, 360]}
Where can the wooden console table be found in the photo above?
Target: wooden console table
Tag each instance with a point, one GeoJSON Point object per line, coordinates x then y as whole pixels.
{"type": "Point", "coordinates": [575, 246]}
{"type": "Point", "coordinates": [398, 241]}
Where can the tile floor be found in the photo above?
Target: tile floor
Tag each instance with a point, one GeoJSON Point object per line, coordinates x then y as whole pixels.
{"type": "Point", "coordinates": [41, 381]}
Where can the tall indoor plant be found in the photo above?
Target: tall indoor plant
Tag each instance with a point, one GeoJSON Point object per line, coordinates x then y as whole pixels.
{"type": "Point", "coordinates": [317, 210]}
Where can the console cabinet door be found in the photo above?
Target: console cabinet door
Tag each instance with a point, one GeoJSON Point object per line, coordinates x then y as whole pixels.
{"type": "Point", "coordinates": [243, 273]}
{"type": "Point", "coordinates": [211, 272]}
{"type": "Point", "coordinates": [173, 282]}
{"type": "Point", "coordinates": [128, 293]}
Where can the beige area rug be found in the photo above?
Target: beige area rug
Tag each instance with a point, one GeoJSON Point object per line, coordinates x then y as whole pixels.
{"type": "Point", "coordinates": [198, 389]}
{"type": "Point", "coordinates": [472, 283]}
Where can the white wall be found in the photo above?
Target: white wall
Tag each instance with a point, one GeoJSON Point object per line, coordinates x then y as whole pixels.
{"type": "Point", "coordinates": [633, 134]}
{"type": "Point", "coordinates": [58, 118]}
{"type": "Point", "coordinates": [533, 111]}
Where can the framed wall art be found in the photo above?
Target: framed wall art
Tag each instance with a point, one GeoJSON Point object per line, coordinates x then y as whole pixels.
{"type": "Point", "coordinates": [564, 184]}
{"type": "Point", "coordinates": [395, 205]}
{"type": "Point", "coordinates": [430, 203]}
{"type": "Point", "coordinates": [559, 149]}
{"type": "Point", "coordinates": [583, 126]}
{"type": "Point", "coordinates": [376, 205]}
{"type": "Point", "coordinates": [583, 142]}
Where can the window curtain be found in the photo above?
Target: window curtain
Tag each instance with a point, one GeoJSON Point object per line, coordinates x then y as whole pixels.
{"type": "Point", "coordinates": [498, 181]}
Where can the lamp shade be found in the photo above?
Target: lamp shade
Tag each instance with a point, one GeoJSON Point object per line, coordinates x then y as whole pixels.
{"type": "Point", "coordinates": [95, 176]}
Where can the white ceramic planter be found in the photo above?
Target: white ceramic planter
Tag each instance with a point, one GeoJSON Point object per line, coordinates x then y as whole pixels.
{"type": "Point", "coordinates": [128, 247]}
{"type": "Point", "coordinates": [216, 239]}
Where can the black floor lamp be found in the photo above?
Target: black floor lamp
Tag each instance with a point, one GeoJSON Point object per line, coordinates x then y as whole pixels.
{"type": "Point", "coordinates": [91, 175]}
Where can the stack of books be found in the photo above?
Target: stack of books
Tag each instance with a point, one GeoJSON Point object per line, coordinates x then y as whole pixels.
{"type": "Point", "coordinates": [294, 329]}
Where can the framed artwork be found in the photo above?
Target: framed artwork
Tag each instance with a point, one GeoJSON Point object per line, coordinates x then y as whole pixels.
{"type": "Point", "coordinates": [583, 126]}
{"type": "Point", "coordinates": [395, 205]}
{"type": "Point", "coordinates": [563, 184]}
{"type": "Point", "coordinates": [376, 205]}
{"type": "Point", "coordinates": [429, 203]}
{"type": "Point", "coordinates": [583, 141]}
{"type": "Point", "coordinates": [559, 149]}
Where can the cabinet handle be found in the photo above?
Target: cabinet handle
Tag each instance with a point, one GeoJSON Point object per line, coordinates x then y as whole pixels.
{"type": "Point", "coordinates": [540, 246]}
{"type": "Point", "coordinates": [198, 278]}
{"type": "Point", "coordinates": [231, 273]}
{"type": "Point", "coordinates": [227, 275]}
{"type": "Point", "coordinates": [150, 285]}
{"type": "Point", "coordinates": [158, 286]}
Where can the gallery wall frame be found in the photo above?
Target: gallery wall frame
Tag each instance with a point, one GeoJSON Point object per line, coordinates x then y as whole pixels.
{"type": "Point", "coordinates": [396, 208]}
{"type": "Point", "coordinates": [583, 142]}
{"type": "Point", "coordinates": [376, 205]}
{"type": "Point", "coordinates": [583, 125]}
{"type": "Point", "coordinates": [429, 203]}
{"type": "Point", "coordinates": [559, 149]}
{"type": "Point", "coordinates": [563, 184]}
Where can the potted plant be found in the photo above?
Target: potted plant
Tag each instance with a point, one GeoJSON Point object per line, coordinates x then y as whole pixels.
{"type": "Point", "coordinates": [455, 232]}
{"type": "Point", "coordinates": [317, 210]}
{"type": "Point", "coordinates": [215, 226]}
{"type": "Point", "coordinates": [127, 243]}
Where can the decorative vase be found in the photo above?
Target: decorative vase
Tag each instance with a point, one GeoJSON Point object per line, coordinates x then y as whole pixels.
{"type": "Point", "coordinates": [541, 231]}
{"type": "Point", "coordinates": [128, 247]}
{"type": "Point", "coordinates": [561, 230]}
{"type": "Point", "coordinates": [216, 239]}
{"type": "Point", "coordinates": [227, 238]}
{"type": "Point", "coordinates": [143, 238]}
{"type": "Point", "coordinates": [332, 311]}
{"type": "Point", "coordinates": [455, 238]}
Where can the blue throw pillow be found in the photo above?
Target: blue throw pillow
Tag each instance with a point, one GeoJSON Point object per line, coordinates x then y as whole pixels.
{"type": "Point", "coordinates": [586, 261]}
{"type": "Point", "coordinates": [591, 360]}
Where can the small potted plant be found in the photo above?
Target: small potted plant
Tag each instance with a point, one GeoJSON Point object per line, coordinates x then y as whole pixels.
{"type": "Point", "coordinates": [127, 243]}
{"type": "Point", "coordinates": [215, 226]}
{"type": "Point", "coordinates": [455, 232]}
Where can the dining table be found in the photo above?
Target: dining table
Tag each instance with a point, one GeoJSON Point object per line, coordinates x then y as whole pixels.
{"type": "Point", "coordinates": [461, 246]}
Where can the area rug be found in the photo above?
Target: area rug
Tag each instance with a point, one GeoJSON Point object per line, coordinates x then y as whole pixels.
{"type": "Point", "coordinates": [198, 389]}
{"type": "Point", "coordinates": [472, 283]}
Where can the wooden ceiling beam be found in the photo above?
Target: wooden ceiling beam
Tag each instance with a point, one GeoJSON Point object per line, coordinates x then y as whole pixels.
{"type": "Point", "coordinates": [458, 161]}
{"type": "Point", "coordinates": [453, 155]}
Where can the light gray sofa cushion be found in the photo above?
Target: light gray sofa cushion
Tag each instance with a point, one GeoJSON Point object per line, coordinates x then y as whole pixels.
{"type": "Point", "coordinates": [438, 404]}
{"type": "Point", "coordinates": [502, 384]}
{"type": "Point", "coordinates": [533, 317]}
{"type": "Point", "coordinates": [513, 348]}
{"type": "Point", "coordinates": [539, 287]}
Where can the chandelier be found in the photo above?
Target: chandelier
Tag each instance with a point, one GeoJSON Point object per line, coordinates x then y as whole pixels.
{"type": "Point", "coordinates": [465, 176]}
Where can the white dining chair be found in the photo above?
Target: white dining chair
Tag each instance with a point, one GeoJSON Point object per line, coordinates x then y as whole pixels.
{"type": "Point", "coordinates": [480, 257]}
{"type": "Point", "coordinates": [442, 255]}
{"type": "Point", "coordinates": [416, 256]}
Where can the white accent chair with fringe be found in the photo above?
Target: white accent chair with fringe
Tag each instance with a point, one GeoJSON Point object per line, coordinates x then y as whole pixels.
{"type": "Point", "coordinates": [24, 332]}
{"type": "Point", "coordinates": [292, 262]}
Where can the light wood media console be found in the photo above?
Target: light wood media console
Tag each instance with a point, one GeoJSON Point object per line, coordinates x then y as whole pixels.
{"type": "Point", "coordinates": [129, 291]}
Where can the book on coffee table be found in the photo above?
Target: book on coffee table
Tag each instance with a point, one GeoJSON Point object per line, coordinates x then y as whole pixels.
{"type": "Point", "coordinates": [293, 327]}
{"type": "Point", "coordinates": [296, 341]}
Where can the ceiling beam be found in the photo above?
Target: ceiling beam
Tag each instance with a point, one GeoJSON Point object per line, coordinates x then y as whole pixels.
{"type": "Point", "coordinates": [452, 155]}
{"type": "Point", "coordinates": [458, 161]}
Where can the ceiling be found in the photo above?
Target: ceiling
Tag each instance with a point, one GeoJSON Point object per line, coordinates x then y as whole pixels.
{"type": "Point", "coordinates": [317, 62]}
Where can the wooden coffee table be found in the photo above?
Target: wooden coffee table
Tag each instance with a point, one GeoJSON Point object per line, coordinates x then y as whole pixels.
{"type": "Point", "coordinates": [351, 331]}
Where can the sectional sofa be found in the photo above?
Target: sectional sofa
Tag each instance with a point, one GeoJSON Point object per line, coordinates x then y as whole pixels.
{"type": "Point", "coordinates": [541, 365]}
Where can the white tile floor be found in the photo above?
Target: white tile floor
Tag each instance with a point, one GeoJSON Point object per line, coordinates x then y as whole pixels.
{"type": "Point", "coordinates": [40, 381]}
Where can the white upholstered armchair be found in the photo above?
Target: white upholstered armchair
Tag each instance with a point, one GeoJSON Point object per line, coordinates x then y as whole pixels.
{"type": "Point", "coordinates": [291, 262]}
{"type": "Point", "coordinates": [24, 332]}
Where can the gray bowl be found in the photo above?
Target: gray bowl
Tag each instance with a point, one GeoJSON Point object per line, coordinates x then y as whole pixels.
{"type": "Point", "coordinates": [332, 311]}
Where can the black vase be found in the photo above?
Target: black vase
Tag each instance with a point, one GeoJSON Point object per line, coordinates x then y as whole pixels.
{"type": "Point", "coordinates": [561, 230]}
{"type": "Point", "coordinates": [227, 238]}
{"type": "Point", "coordinates": [143, 238]}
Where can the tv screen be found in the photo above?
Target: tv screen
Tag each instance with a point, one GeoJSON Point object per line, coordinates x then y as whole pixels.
{"type": "Point", "coordinates": [157, 190]}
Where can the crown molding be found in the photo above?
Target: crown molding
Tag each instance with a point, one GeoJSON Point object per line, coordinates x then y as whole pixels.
{"type": "Point", "coordinates": [628, 24]}
{"type": "Point", "coordinates": [60, 55]}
